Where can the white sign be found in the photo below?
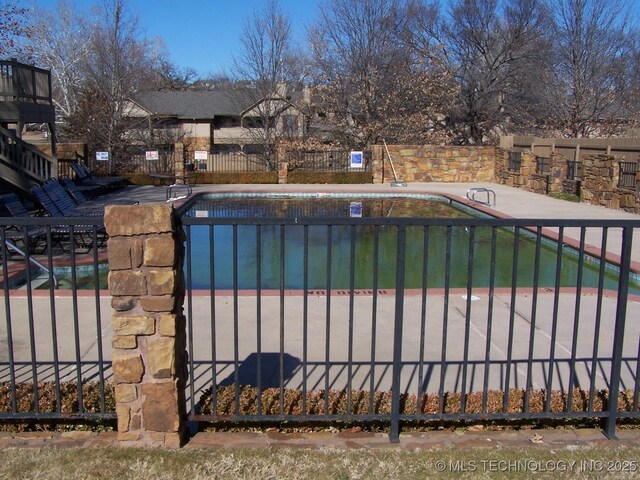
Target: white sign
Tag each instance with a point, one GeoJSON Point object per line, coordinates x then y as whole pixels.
{"type": "Point", "coordinates": [357, 160]}
{"type": "Point", "coordinates": [202, 155]}
{"type": "Point", "coordinates": [102, 156]}
{"type": "Point", "coordinates": [152, 155]}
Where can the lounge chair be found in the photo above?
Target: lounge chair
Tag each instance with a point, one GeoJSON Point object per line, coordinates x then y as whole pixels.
{"type": "Point", "coordinates": [83, 235]}
{"type": "Point", "coordinates": [29, 236]}
{"type": "Point", "coordinates": [103, 184]}
{"type": "Point", "coordinates": [79, 198]}
{"type": "Point", "coordinates": [57, 202]}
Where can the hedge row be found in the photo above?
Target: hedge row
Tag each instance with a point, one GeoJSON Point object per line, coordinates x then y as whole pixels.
{"type": "Point", "coordinates": [316, 401]}
{"type": "Point", "coordinates": [330, 177]}
{"type": "Point", "coordinates": [428, 404]}
{"type": "Point", "coordinates": [211, 178]}
{"type": "Point", "coordinates": [48, 402]}
{"type": "Point", "coordinates": [221, 178]}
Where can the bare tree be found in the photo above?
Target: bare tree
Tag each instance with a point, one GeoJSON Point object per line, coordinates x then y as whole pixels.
{"type": "Point", "coordinates": [117, 55]}
{"type": "Point", "coordinates": [426, 87]}
{"type": "Point", "coordinates": [497, 46]}
{"type": "Point", "coordinates": [57, 43]}
{"type": "Point", "coordinates": [267, 61]}
{"type": "Point", "coordinates": [593, 46]}
{"type": "Point", "coordinates": [378, 70]}
{"type": "Point", "coordinates": [12, 27]}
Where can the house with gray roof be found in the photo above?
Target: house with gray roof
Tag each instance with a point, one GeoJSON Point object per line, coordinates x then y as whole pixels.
{"type": "Point", "coordinates": [216, 121]}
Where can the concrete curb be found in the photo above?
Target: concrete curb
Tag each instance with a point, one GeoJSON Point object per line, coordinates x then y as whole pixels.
{"type": "Point", "coordinates": [349, 439]}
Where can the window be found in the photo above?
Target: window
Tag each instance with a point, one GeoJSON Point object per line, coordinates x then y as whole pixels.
{"type": "Point", "coordinates": [515, 160]}
{"type": "Point", "coordinates": [290, 124]}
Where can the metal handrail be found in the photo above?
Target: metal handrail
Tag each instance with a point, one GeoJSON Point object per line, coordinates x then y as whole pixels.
{"type": "Point", "coordinates": [491, 196]}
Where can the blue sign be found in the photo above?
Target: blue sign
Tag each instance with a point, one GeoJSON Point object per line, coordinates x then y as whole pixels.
{"type": "Point", "coordinates": [357, 160]}
{"type": "Point", "coordinates": [355, 209]}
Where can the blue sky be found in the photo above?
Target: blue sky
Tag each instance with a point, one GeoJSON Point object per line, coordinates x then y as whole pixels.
{"type": "Point", "coordinates": [203, 34]}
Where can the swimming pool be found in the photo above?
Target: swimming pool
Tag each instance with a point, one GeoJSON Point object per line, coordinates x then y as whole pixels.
{"type": "Point", "coordinates": [314, 255]}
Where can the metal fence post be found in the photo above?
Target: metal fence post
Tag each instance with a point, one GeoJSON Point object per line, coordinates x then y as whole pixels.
{"type": "Point", "coordinates": [618, 338]}
{"type": "Point", "coordinates": [394, 433]}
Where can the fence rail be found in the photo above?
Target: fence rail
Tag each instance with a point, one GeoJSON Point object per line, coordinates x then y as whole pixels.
{"type": "Point", "coordinates": [515, 162]}
{"type": "Point", "coordinates": [326, 161]}
{"type": "Point", "coordinates": [165, 163]}
{"type": "Point", "coordinates": [399, 320]}
{"type": "Point", "coordinates": [574, 169]}
{"type": "Point", "coordinates": [628, 172]}
{"type": "Point", "coordinates": [344, 319]}
{"type": "Point", "coordinates": [24, 83]}
{"type": "Point", "coordinates": [542, 165]}
{"type": "Point", "coordinates": [233, 162]}
{"type": "Point", "coordinates": [55, 364]}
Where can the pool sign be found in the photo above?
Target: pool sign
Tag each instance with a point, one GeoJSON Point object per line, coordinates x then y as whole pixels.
{"type": "Point", "coordinates": [355, 209]}
{"type": "Point", "coordinates": [356, 160]}
{"type": "Point", "coordinates": [152, 155]}
{"type": "Point", "coordinates": [102, 156]}
{"type": "Point", "coordinates": [202, 155]}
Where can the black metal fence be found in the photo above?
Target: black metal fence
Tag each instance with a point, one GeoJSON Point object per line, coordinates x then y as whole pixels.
{"type": "Point", "coordinates": [627, 177]}
{"type": "Point", "coordinates": [515, 161]}
{"type": "Point", "coordinates": [233, 162]}
{"type": "Point", "coordinates": [327, 161]}
{"type": "Point", "coordinates": [55, 361]}
{"type": "Point", "coordinates": [303, 161]}
{"type": "Point", "coordinates": [394, 320]}
{"type": "Point", "coordinates": [342, 320]}
{"type": "Point", "coordinates": [542, 165]}
{"type": "Point", "coordinates": [574, 169]}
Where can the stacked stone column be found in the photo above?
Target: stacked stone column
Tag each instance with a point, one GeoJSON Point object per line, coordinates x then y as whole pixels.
{"type": "Point", "coordinates": [149, 357]}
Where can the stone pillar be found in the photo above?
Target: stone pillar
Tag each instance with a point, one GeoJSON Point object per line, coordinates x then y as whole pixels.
{"type": "Point", "coordinates": [557, 173]}
{"type": "Point", "coordinates": [283, 172]}
{"type": "Point", "coordinates": [282, 162]}
{"type": "Point", "coordinates": [599, 180]}
{"type": "Point", "coordinates": [178, 160]}
{"type": "Point", "coordinates": [377, 163]}
{"type": "Point", "coordinates": [149, 355]}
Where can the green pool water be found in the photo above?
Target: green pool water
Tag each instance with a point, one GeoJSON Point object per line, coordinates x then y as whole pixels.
{"type": "Point", "coordinates": [333, 252]}
{"type": "Point", "coordinates": [259, 265]}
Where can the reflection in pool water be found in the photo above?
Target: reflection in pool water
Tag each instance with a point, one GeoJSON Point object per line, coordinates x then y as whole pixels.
{"type": "Point", "coordinates": [271, 256]}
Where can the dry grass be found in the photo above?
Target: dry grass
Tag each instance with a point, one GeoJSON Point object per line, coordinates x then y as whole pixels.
{"type": "Point", "coordinates": [305, 464]}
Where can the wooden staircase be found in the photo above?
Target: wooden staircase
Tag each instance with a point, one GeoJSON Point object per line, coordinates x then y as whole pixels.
{"type": "Point", "coordinates": [25, 97]}
{"type": "Point", "coordinates": [22, 165]}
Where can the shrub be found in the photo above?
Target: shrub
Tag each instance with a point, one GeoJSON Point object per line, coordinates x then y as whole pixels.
{"type": "Point", "coordinates": [48, 401]}
{"type": "Point", "coordinates": [211, 178]}
{"type": "Point", "coordinates": [336, 401]}
{"type": "Point", "coordinates": [330, 177]}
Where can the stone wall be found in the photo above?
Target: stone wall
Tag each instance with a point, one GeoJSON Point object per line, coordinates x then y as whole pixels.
{"type": "Point", "coordinates": [431, 163]}
{"type": "Point", "coordinates": [149, 354]}
{"type": "Point", "coordinates": [600, 175]}
{"type": "Point", "coordinates": [598, 184]}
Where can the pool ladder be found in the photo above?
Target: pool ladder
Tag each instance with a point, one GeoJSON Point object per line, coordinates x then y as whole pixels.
{"type": "Point", "coordinates": [490, 199]}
